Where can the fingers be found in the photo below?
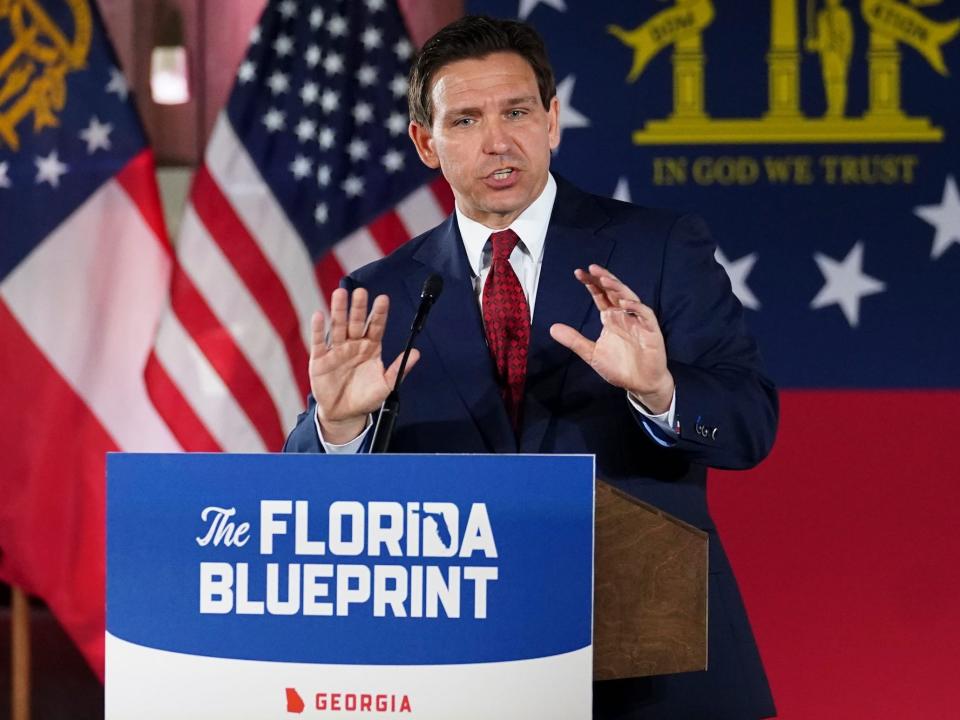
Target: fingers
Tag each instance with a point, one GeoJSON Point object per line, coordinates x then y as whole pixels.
{"type": "Point", "coordinates": [357, 322]}
{"type": "Point", "coordinates": [643, 313]}
{"type": "Point", "coordinates": [377, 322]}
{"type": "Point", "coordinates": [570, 338]}
{"type": "Point", "coordinates": [318, 340]}
{"type": "Point", "coordinates": [338, 316]}
{"type": "Point", "coordinates": [390, 376]}
{"type": "Point", "coordinates": [611, 283]}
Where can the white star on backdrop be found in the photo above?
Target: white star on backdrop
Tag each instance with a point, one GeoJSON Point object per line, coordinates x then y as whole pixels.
{"type": "Point", "coordinates": [367, 75]}
{"type": "Point", "coordinates": [320, 214]}
{"type": "Point", "coordinates": [333, 64]}
{"type": "Point", "coordinates": [396, 123]}
{"type": "Point", "coordinates": [118, 84]}
{"type": "Point", "coordinates": [337, 26]}
{"type": "Point", "coordinates": [305, 129]}
{"type": "Point", "coordinates": [528, 6]}
{"type": "Point", "coordinates": [274, 120]}
{"type": "Point", "coordinates": [278, 83]}
{"type": "Point", "coordinates": [569, 117]}
{"type": "Point", "coordinates": [371, 38]}
{"type": "Point", "coordinates": [393, 160]}
{"type": "Point", "coordinates": [403, 49]}
{"type": "Point", "coordinates": [737, 271]}
{"type": "Point", "coordinates": [329, 101]}
{"type": "Point", "coordinates": [845, 283]}
{"type": "Point", "coordinates": [352, 186]}
{"type": "Point", "coordinates": [49, 169]}
{"type": "Point", "coordinates": [323, 175]}
{"type": "Point", "coordinates": [96, 135]}
{"type": "Point", "coordinates": [398, 86]}
{"type": "Point", "coordinates": [945, 217]}
{"type": "Point", "coordinates": [316, 18]}
{"type": "Point", "coordinates": [362, 113]}
{"type": "Point", "coordinates": [312, 56]}
{"type": "Point", "coordinates": [309, 93]}
{"type": "Point", "coordinates": [246, 72]}
{"type": "Point", "coordinates": [357, 149]}
{"type": "Point", "coordinates": [4, 179]}
{"type": "Point", "coordinates": [301, 167]}
{"type": "Point", "coordinates": [326, 137]}
{"type": "Point", "coordinates": [288, 8]}
{"type": "Point", "coordinates": [283, 45]}
{"type": "Point", "coordinates": [622, 191]}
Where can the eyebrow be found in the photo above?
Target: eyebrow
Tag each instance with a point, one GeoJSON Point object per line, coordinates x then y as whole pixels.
{"type": "Point", "coordinates": [510, 102]}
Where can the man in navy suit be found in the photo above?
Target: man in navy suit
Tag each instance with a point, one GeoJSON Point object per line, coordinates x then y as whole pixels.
{"type": "Point", "coordinates": [536, 275]}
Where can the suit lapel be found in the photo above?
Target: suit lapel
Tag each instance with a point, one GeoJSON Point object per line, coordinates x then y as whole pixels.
{"type": "Point", "coordinates": [455, 330]}
{"type": "Point", "coordinates": [572, 241]}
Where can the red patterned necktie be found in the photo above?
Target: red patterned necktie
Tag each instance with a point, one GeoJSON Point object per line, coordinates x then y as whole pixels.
{"type": "Point", "coordinates": [506, 319]}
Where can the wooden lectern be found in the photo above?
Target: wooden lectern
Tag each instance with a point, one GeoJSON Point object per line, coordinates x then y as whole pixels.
{"type": "Point", "coordinates": [650, 590]}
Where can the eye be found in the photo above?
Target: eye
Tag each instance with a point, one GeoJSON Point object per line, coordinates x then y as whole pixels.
{"type": "Point", "coordinates": [463, 122]}
{"type": "Point", "coordinates": [516, 113]}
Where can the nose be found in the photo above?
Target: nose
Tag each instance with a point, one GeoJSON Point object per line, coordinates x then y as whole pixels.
{"type": "Point", "coordinates": [496, 138]}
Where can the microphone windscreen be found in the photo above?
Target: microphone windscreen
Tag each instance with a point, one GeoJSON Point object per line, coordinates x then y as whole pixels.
{"type": "Point", "coordinates": [432, 287]}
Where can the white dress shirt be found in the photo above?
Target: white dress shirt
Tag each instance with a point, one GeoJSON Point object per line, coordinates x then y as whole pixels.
{"type": "Point", "coordinates": [527, 261]}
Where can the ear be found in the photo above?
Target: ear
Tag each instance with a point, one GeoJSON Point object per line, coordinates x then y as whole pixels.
{"type": "Point", "coordinates": [423, 141]}
{"type": "Point", "coordinates": [553, 123]}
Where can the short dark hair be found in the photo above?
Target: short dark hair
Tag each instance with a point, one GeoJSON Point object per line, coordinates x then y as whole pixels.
{"type": "Point", "coordinates": [476, 36]}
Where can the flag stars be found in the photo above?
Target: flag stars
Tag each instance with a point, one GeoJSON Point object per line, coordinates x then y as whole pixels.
{"type": "Point", "coordinates": [366, 75]}
{"type": "Point", "coordinates": [737, 271]}
{"type": "Point", "coordinates": [569, 117]}
{"type": "Point", "coordinates": [255, 35]}
{"type": "Point", "coordinates": [333, 64]}
{"type": "Point", "coordinates": [321, 214]}
{"type": "Point", "coordinates": [274, 120]}
{"type": "Point", "coordinates": [375, 5]}
{"type": "Point", "coordinates": [4, 178]}
{"type": "Point", "coordinates": [845, 283]}
{"type": "Point", "coordinates": [398, 86]}
{"type": "Point", "coordinates": [246, 72]}
{"type": "Point", "coordinates": [337, 27]}
{"type": "Point", "coordinates": [393, 160]}
{"type": "Point", "coordinates": [357, 150]}
{"type": "Point", "coordinates": [371, 38]}
{"type": "Point", "coordinates": [278, 83]}
{"type": "Point", "coordinates": [309, 93]}
{"type": "Point", "coordinates": [326, 137]}
{"type": "Point", "coordinates": [50, 169]}
{"type": "Point", "coordinates": [316, 18]}
{"type": "Point", "coordinates": [96, 135]}
{"type": "Point", "coordinates": [323, 175]}
{"type": "Point", "coordinates": [352, 186]}
{"type": "Point", "coordinates": [312, 56]}
{"type": "Point", "coordinates": [396, 123]}
{"type": "Point", "coordinates": [945, 217]}
{"type": "Point", "coordinates": [403, 49]}
{"type": "Point", "coordinates": [118, 84]}
{"type": "Point", "coordinates": [288, 9]}
{"type": "Point", "coordinates": [306, 129]}
{"type": "Point", "coordinates": [283, 45]}
{"type": "Point", "coordinates": [329, 100]}
{"type": "Point", "coordinates": [301, 167]}
{"type": "Point", "coordinates": [363, 112]}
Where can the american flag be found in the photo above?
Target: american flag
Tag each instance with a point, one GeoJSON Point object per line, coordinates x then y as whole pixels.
{"type": "Point", "coordinates": [84, 267]}
{"type": "Point", "coordinates": [109, 341]}
{"type": "Point", "coordinates": [309, 174]}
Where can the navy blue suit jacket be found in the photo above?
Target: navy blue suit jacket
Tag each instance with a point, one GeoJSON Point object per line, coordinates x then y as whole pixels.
{"type": "Point", "coordinates": [726, 407]}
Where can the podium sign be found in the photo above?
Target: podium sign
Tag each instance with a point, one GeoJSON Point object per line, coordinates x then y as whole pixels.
{"type": "Point", "coordinates": [421, 586]}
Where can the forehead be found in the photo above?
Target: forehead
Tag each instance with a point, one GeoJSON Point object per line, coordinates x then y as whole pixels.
{"type": "Point", "coordinates": [492, 77]}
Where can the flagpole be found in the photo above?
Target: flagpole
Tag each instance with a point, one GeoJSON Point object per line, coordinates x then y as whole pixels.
{"type": "Point", "coordinates": [19, 655]}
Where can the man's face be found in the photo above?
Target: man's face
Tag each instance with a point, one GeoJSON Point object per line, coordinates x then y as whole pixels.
{"type": "Point", "coordinates": [490, 136]}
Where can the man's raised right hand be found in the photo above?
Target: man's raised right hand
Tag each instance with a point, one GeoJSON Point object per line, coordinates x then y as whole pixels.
{"type": "Point", "coordinates": [347, 377]}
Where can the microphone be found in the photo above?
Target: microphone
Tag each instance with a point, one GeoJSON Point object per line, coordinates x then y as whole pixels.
{"type": "Point", "coordinates": [432, 287]}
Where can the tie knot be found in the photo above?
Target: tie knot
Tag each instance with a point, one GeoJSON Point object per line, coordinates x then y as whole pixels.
{"type": "Point", "coordinates": [503, 242]}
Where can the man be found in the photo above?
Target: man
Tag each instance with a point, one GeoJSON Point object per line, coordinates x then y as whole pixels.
{"type": "Point", "coordinates": [671, 383]}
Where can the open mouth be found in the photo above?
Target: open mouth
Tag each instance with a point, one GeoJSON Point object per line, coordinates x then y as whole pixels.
{"type": "Point", "coordinates": [502, 174]}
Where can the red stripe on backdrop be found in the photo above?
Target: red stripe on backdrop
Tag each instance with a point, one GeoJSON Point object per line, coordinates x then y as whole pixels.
{"type": "Point", "coordinates": [253, 267]}
{"type": "Point", "coordinates": [227, 359]}
{"type": "Point", "coordinates": [443, 194]}
{"type": "Point", "coordinates": [329, 273]}
{"type": "Point", "coordinates": [846, 547]}
{"type": "Point", "coordinates": [139, 180]}
{"type": "Point", "coordinates": [52, 451]}
{"type": "Point", "coordinates": [176, 412]}
{"type": "Point", "coordinates": [388, 231]}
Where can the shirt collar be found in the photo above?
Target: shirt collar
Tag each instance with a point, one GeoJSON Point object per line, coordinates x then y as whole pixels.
{"type": "Point", "coordinates": [530, 226]}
